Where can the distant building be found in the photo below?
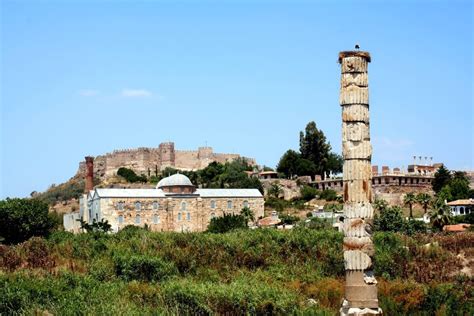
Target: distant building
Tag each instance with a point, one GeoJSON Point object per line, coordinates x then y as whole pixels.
{"type": "Point", "coordinates": [174, 205]}
{"type": "Point", "coordinates": [461, 207]}
{"type": "Point", "coordinates": [150, 161]}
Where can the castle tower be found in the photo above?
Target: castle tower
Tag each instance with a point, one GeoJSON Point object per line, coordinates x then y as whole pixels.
{"type": "Point", "coordinates": [167, 155]}
{"type": "Point", "coordinates": [360, 289]}
{"type": "Point", "coordinates": [89, 174]}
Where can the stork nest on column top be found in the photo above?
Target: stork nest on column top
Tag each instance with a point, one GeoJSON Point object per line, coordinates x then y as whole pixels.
{"type": "Point", "coordinates": [354, 53]}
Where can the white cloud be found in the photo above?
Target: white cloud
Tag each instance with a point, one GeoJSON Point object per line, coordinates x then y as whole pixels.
{"type": "Point", "coordinates": [135, 93]}
{"type": "Point", "coordinates": [88, 92]}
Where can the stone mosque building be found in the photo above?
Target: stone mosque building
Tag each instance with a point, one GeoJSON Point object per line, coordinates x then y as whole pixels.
{"type": "Point", "coordinates": [176, 204]}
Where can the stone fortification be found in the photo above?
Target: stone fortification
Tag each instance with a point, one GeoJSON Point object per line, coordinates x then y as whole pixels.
{"type": "Point", "coordinates": [150, 161]}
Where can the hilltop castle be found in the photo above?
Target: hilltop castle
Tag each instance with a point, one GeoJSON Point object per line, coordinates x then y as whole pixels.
{"type": "Point", "coordinates": [149, 161]}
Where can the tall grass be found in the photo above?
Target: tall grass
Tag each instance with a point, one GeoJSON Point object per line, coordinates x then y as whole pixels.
{"type": "Point", "coordinates": [242, 272]}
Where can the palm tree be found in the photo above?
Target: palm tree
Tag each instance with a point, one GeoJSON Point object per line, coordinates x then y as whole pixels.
{"type": "Point", "coordinates": [380, 204]}
{"type": "Point", "coordinates": [409, 200]}
{"type": "Point", "coordinates": [248, 214]}
{"type": "Point", "coordinates": [440, 215]}
{"type": "Point", "coordinates": [424, 199]}
{"type": "Point", "coordinates": [275, 189]}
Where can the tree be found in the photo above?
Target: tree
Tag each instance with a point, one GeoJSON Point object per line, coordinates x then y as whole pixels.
{"type": "Point", "coordinates": [441, 178]}
{"type": "Point", "coordinates": [248, 214]}
{"type": "Point", "coordinates": [305, 167]}
{"type": "Point", "coordinates": [424, 199]}
{"type": "Point", "coordinates": [288, 163]}
{"type": "Point", "coordinates": [275, 189]}
{"type": "Point", "coordinates": [335, 163]}
{"type": "Point", "coordinates": [266, 168]}
{"type": "Point", "coordinates": [459, 186]}
{"type": "Point", "coordinates": [409, 200]}
{"type": "Point", "coordinates": [314, 147]}
{"type": "Point", "coordinates": [21, 219]}
{"type": "Point", "coordinates": [226, 223]}
{"type": "Point", "coordinates": [440, 215]}
{"type": "Point", "coordinates": [389, 219]}
{"type": "Point", "coordinates": [101, 226]}
{"type": "Point", "coordinates": [445, 194]}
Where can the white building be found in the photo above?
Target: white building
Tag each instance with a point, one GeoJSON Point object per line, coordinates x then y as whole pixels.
{"type": "Point", "coordinates": [174, 205]}
{"type": "Point", "coordinates": [461, 207]}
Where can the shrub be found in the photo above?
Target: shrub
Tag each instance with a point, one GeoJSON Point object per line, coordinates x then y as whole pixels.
{"type": "Point", "coordinates": [390, 255]}
{"type": "Point", "coordinates": [10, 258]}
{"type": "Point", "coordinates": [289, 219]}
{"type": "Point", "coordinates": [328, 195]}
{"type": "Point", "coordinates": [130, 175]}
{"type": "Point", "coordinates": [37, 253]}
{"type": "Point", "coordinates": [308, 193]}
{"type": "Point", "coordinates": [226, 223]}
{"type": "Point", "coordinates": [144, 268]}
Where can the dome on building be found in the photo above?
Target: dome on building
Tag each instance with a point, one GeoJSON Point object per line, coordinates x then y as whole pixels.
{"type": "Point", "coordinates": [174, 180]}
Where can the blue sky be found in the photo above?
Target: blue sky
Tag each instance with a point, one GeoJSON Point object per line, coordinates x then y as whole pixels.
{"type": "Point", "coordinates": [86, 77]}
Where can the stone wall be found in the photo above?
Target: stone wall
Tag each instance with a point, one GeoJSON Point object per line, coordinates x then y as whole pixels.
{"type": "Point", "coordinates": [171, 214]}
{"type": "Point", "coordinates": [146, 160]}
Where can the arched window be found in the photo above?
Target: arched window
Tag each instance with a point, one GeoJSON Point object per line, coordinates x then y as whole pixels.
{"type": "Point", "coordinates": [461, 210]}
{"type": "Point", "coordinates": [156, 219]}
{"type": "Point", "coordinates": [213, 215]}
{"type": "Point", "coordinates": [246, 203]}
{"type": "Point", "coordinates": [188, 216]}
{"type": "Point", "coordinates": [137, 219]}
{"type": "Point", "coordinates": [213, 204]}
{"type": "Point", "coordinates": [229, 204]}
{"type": "Point", "coordinates": [183, 206]}
{"type": "Point", "coordinates": [155, 205]}
{"type": "Point", "coordinates": [120, 219]}
{"type": "Point", "coordinates": [179, 216]}
{"type": "Point", "coordinates": [138, 205]}
{"type": "Point", "coordinates": [120, 206]}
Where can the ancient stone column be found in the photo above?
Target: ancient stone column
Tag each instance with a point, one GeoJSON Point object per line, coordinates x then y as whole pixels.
{"type": "Point", "coordinates": [360, 296]}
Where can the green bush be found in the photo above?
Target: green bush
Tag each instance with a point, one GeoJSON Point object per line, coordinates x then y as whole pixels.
{"type": "Point", "coordinates": [328, 195]}
{"type": "Point", "coordinates": [21, 219]}
{"type": "Point", "coordinates": [143, 268]}
{"type": "Point", "coordinates": [130, 175]}
{"type": "Point", "coordinates": [226, 223]}
{"type": "Point", "coordinates": [308, 193]}
{"type": "Point", "coordinates": [390, 255]}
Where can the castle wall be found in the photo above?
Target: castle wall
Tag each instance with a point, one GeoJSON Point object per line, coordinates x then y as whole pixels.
{"type": "Point", "coordinates": [145, 160]}
{"type": "Point", "coordinates": [187, 160]}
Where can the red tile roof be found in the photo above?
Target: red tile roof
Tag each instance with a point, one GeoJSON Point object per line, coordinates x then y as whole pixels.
{"type": "Point", "coordinates": [456, 228]}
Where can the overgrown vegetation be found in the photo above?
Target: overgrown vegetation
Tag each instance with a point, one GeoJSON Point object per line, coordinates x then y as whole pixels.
{"type": "Point", "coordinates": [130, 175]}
{"type": "Point", "coordinates": [71, 189]}
{"type": "Point", "coordinates": [21, 219]}
{"type": "Point", "coordinates": [262, 271]}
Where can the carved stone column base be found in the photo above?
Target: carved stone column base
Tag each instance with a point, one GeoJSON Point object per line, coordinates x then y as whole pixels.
{"type": "Point", "coordinates": [346, 310]}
